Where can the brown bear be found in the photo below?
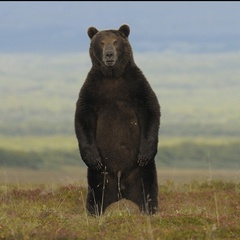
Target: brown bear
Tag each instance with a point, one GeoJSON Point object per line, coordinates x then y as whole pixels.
{"type": "Point", "coordinates": [117, 122]}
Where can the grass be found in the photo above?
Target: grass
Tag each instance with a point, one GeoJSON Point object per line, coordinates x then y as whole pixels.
{"type": "Point", "coordinates": [49, 203]}
{"type": "Point", "coordinates": [51, 152]}
{"type": "Point", "coordinates": [39, 143]}
{"type": "Point", "coordinates": [72, 174]}
{"type": "Point", "coordinates": [69, 143]}
{"type": "Point", "coordinates": [194, 210]}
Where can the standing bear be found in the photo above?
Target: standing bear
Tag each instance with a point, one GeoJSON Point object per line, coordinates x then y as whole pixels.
{"type": "Point", "coordinates": [117, 122]}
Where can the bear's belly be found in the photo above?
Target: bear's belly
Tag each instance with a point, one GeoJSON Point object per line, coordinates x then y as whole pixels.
{"type": "Point", "coordinates": [118, 137]}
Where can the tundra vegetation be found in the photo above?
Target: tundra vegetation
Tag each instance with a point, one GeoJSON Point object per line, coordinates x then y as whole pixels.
{"type": "Point", "coordinates": [194, 210]}
{"type": "Point", "coordinates": [43, 181]}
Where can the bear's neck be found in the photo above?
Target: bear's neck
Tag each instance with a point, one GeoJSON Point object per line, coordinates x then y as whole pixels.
{"type": "Point", "coordinates": [117, 70]}
{"type": "Point", "coordinates": [111, 72]}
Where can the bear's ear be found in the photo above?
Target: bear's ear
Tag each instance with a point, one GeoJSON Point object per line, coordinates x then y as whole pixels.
{"type": "Point", "coordinates": [125, 30]}
{"type": "Point", "coordinates": [91, 32]}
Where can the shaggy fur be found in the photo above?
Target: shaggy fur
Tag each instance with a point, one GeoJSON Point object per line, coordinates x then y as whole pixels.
{"type": "Point", "coordinates": [117, 122]}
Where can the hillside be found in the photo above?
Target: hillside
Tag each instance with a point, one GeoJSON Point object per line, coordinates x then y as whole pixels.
{"type": "Point", "coordinates": [199, 94]}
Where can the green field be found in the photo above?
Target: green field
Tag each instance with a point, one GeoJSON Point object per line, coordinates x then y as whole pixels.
{"type": "Point", "coordinates": [196, 210]}
{"type": "Point", "coordinates": [43, 180]}
{"type": "Point", "coordinates": [52, 152]}
{"type": "Point", "coordinates": [43, 192]}
{"type": "Point", "coordinates": [198, 93]}
{"type": "Point", "coordinates": [78, 174]}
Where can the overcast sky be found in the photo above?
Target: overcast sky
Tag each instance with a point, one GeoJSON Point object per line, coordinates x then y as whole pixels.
{"type": "Point", "coordinates": [155, 26]}
{"type": "Point", "coordinates": [168, 38]}
{"type": "Point", "coordinates": [176, 44]}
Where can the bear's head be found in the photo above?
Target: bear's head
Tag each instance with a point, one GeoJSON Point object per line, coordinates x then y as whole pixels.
{"type": "Point", "coordinates": [110, 50]}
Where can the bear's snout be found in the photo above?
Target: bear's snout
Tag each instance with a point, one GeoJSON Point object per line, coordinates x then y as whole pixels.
{"type": "Point", "coordinates": [109, 54]}
{"type": "Point", "coordinates": [109, 57]}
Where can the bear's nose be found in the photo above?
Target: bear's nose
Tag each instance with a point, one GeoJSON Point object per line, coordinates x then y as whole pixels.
{"type": "Point", "coordinates": [109, 54]}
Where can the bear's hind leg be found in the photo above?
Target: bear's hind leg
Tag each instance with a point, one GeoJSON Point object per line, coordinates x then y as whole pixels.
{"type": "Point", "coordinates": [149, 184]}
{"type": "Point", "coordinates": [143, 189]}
{"type": "Point", "coordinates": [102, 192]}
{"type": "Point", "coordinates": [93, 205]}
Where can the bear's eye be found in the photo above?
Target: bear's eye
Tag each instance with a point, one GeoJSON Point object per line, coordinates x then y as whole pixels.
{"type": "Point", "coordinates": [102, 43]}
{"type": "Point", "coordinates": [115, 42]}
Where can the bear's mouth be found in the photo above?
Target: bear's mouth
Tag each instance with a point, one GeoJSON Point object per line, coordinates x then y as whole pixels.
{"type": "Point", "coordinates": [109, 63]}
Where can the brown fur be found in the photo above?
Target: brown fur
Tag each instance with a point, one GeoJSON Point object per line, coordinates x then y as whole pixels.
{"type": "Point", "coordinates": [116, 122]}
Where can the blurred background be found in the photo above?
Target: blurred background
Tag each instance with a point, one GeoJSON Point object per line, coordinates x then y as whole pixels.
{"type": "Point", "coordinates": [188, 51]}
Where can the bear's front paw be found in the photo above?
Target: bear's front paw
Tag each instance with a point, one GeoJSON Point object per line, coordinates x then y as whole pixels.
{"type": "Point", "coordinates": [92, 160]}
{"type": "Point", "coordinates": [143, 160]}
{"type": "Point", "coordinates": [95, 164]}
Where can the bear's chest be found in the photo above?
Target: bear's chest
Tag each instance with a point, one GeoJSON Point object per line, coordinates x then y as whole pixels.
{"type": "Point", "coordinates": [114, 91]}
